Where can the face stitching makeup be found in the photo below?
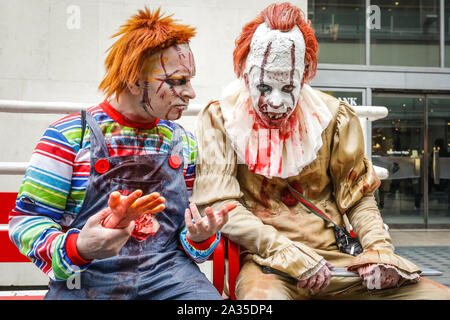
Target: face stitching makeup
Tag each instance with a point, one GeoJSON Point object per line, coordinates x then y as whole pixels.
{"type": "Point", "coordinates": [168, 77]}
{"type": "Point", "coordinates": [169, 85]}
{"type": "Point", "coordinates": [145, 102]}
{"type": "Point", "coordinates": [181, 57]}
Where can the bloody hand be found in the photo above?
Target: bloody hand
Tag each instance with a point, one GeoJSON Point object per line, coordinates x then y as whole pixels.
{"type": "Point", "coordinates": [318, 281]}
{"type": "Point", "coordinates": [378, 277]}
{"type": "Point", "coordinates": [125, 209]}
{"type": "Point", "coordinates": [204, 227]}
{"type": "Point", "coordinates": [97, 242]}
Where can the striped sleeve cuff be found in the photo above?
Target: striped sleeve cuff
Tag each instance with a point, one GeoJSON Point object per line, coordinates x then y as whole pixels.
{"type": "Point", "coordinates": [66, 261]}
{"type": "Point", "coordinates": [199, 251]}
{"type": "Point", "coordinates": [204, 245]}
{"type": "Point", "coordinates": [72, 252]}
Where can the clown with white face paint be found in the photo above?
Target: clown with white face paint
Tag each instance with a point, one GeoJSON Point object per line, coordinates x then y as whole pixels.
{"type": "Point", "coordinates": [270, 130]}
{"type": "Point", "coordinates": [273, 73]}
{"type": "Point", "coordinates": [267, 126]}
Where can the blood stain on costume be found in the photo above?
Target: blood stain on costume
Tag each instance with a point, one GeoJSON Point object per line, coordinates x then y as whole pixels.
{"type": "Point", "coordinates": [317, 117]}
{"type": "Point", "coordinates": [365, 188]}
{"type": "Point", "coordinates": [287, 198]}
{"type": "Point", "coordinates": [263, 196]}
{"type": "Point", "coordinates": [145, 226]}
{"type": "Point", "coordinates": [297, 186]}
{"type": "Point", "coordinates": [280, 167]}
{"type": "Point", "coordinates": [352, 176]}
{"type": "Point", "coordinates": [263, 156]}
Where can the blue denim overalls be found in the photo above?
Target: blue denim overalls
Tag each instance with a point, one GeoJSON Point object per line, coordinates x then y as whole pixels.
{"type": "Point", "coordinates": [154, 268]}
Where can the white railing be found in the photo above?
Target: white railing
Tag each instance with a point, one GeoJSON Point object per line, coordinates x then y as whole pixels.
{"type": "Point", "coordinates": [369, 113]}
{"type": "Point", "coordinates": [19, 106]}
{"type": "Point", "coordinates": [13, 168]}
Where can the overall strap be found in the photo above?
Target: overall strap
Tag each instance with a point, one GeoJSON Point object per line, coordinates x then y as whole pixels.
{"type": "Point", "coordinates": [83, 126]}
{"type": "Point", "coordinates": [176, 144]}
{"type": "Point", "coordinates": [98, 143]}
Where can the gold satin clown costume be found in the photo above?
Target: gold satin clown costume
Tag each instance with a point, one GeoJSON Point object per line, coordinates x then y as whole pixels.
{"type": "Point", "coordinates": [340, 181]}
{"type": "Point", "coordinates": [291, 238]}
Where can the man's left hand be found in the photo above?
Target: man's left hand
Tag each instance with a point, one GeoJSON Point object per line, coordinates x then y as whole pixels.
{"type": "Point", "coordinates": [204, 227]}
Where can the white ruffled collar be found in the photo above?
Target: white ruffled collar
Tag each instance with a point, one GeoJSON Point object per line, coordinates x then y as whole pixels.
{"type": "Point", "coordinates": [280, 152]}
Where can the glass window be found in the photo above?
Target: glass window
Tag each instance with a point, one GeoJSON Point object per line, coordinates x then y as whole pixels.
{"type": "Point", "coordinates": [400, 133]}
{"type": "Point", "coordinates": [439, 160]}
{"type": "Point", "coordinates": [447, 33]}
{"type": "Point", "coordinates": [397, 145]}
{"type": "Point", "coordinates": [340, 30]}
{"type": "Point", "coordinates": [408, 34]}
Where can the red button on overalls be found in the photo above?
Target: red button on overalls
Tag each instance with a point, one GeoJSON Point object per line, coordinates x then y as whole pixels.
{"type": "Point", "coordinates": [174, 162]}
{"type": "Point", "coordinates": [101, 166]}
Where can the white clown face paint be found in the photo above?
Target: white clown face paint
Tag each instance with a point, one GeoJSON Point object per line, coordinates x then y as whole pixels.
{"type": "Point", "coordinates": [274, 71]}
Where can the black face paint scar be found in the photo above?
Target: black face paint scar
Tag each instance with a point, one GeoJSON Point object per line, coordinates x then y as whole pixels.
{"type": "Point", "coordinates": [264, 62]}
{"type": "Point", "coordinates": [182, 57]}
{"type": "Point", "coordinates": [261, 76]}
{"type": "Point", "coordinates": [180, 54]}
{"type": "Point", "coordinates": [167, 77]}
{"type": "Point", "coordinates": [145, 102]}
{"type": "Point", "coordinates": [292, 70]}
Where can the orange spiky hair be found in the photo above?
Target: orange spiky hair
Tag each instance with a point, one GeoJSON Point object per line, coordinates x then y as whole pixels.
{"type": "Point", "coordinates": [281, 17]}
{"type": "Point", "coordinates": [143, 34]}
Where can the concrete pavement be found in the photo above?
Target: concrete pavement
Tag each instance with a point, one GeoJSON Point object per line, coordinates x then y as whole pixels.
{"type": "Point", "coordinates": [426, 248]}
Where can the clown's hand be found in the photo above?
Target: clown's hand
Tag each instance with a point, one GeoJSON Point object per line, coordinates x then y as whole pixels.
{"type": "Point", "coordinates": [129, 208]}
{"type": "Point", "coordinates": [318, 281]}
{"type": "Point", "coordinates": [205, 227]}
{"type": "Point", "coordinates": [377, 276]}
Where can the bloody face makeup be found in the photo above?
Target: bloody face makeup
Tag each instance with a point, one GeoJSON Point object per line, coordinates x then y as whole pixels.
{"type": "Point", "coordinates": [166, 82]}
{"type": "Point", "coordinates": [274, 94]}
{"type": "Point", "coordinates": [274, 69]}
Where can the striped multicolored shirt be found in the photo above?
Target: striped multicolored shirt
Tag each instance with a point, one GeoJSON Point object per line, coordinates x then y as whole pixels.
{"type": "Point", "coordinates": [54, 186]}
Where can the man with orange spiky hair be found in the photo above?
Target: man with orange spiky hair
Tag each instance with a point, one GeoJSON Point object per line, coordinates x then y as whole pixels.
{"type": "Point", "coordinates": [104, 202]}
{"type": "Point", "coordinates": [292, 160]}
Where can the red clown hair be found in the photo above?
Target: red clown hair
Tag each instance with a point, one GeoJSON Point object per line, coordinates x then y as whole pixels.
{"type": "Point", "coordinates": [144, 34]}
{"type": "Point", "coordinates": [281, 17]}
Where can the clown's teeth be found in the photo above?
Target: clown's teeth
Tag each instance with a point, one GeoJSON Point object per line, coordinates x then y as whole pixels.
{"type": "Point", "coordinates": [275, 116]}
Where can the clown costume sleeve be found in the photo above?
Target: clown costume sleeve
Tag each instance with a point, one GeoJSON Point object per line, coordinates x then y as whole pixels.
{"type": "Point", "coordinates": [354, 183]}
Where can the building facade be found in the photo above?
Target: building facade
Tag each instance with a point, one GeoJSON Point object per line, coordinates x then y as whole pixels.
{"type": "Point", "coordinates": [395, 54]}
